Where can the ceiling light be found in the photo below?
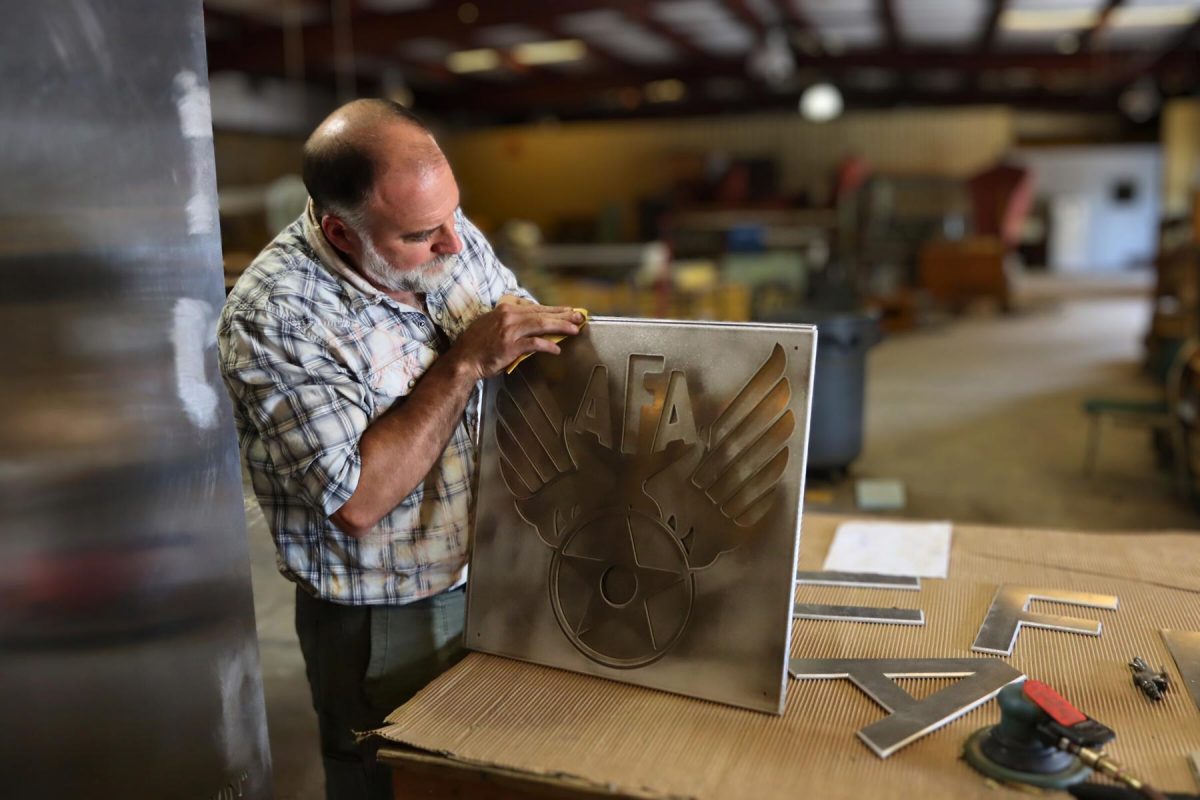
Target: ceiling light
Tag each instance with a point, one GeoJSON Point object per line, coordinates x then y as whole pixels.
{"type": "Point", "coordinates": [1152, 16]}
{"type": "Point", "coordinates": [821, 102]}
{"type": "Point", "coordinates": [1141, 101]}
{"type": "Point", "coordinates": [668, 91]}
{"type": "Point", "coordinates": [1048, 19]}
{"type": "Point", "coordinates": [554, 52]}
{"type": "Point", "coordinates": [473, 60]}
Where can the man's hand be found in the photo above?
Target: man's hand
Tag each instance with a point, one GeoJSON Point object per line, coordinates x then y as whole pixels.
{"type": "Point", "coordinates": [510, 331]}
{"type": "Point", "coordinates": [515, 298]}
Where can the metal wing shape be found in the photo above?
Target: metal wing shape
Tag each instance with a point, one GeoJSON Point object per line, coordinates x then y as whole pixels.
{"type": "Point", "coordinates": [713, 499]}
{"type": "Point", "coordinates": [534, 461]}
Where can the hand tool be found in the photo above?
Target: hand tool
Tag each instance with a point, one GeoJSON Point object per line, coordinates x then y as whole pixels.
{"type": "Point", "coordinates": [1153, 684]}
{"type": "Point", "coordinates": [1043, 740]}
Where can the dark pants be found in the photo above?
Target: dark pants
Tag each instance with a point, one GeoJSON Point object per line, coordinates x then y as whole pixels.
{"type": "Point", "coordinates": [363, 662]}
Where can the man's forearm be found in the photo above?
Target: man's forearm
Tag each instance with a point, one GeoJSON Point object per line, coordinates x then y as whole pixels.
{"type": "Point", "coordinates": [399, 449]}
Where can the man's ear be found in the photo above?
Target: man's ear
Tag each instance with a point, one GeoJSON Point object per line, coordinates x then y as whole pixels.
{"type": "Point", "coordinates": [339, 234]}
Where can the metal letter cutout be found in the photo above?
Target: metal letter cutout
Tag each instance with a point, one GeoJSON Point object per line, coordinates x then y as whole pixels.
{"type": "Point", "coordinates": [862, 580]}
{"type": "Point", "coordinates": [1010, 611]}
{"type": "Point", "coordinates": [858, 580]}
{"type": "Point", "coordinates": [639, 504]}
{"type": "Point", "coordinates": [883, 616]}
{"type": "Point", "coordinates": [910, 719]}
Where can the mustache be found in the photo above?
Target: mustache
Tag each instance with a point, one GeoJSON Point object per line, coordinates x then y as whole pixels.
{"type": "Point", "coordinates": [438, 263]}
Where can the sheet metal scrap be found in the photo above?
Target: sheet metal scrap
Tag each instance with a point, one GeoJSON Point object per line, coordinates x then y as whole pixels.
{"type": "Point", "coordinates": [1153, 684]}
{"type": "Point", "coordinates": [1185, 649]}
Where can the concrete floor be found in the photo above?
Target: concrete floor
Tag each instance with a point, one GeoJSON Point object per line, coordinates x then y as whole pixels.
{"type": "Point", "coordinates": [980, 419]}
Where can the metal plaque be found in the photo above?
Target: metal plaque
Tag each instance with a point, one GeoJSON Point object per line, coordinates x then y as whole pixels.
{"type": "Point", "coordinates": [884, 616]}
{"type": "Point", "coordinates": [1185, 649]}
{"type": "Point", "coordinates": [910, 719]}
{"type": "Point", "coordinates": [1010, 611]}
{"type": "Point", "coordinates": [638, 507]}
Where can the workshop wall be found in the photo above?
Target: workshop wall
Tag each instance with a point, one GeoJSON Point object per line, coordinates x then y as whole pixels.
{"type": "Point", "coordinates": [249, 159]}
{"type": "Point", "coordinates": [1181, 154]}
{"type": "Point", "coordinates": [545, 172]}
{"type": "Point", "coordinates": [247, 163]}
{"type": "Point", "coordinates": [548, 172]}
{"type": "Point", "coordinates": [1104, 201]}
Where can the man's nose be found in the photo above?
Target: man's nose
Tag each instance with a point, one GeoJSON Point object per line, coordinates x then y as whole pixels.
{"type": "Point", "coordinates": [447, 242]}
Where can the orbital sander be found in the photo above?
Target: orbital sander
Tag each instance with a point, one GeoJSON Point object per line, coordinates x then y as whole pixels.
{"type": "Point", "coordinates": [1042, 740]}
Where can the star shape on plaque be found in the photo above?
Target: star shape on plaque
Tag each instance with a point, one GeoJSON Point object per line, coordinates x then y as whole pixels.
{"type": "Point", "coordinates": [621, 588]}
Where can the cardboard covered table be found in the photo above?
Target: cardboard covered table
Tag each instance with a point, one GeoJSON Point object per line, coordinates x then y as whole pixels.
{"type": "Point", "coordinates": [494, 727]}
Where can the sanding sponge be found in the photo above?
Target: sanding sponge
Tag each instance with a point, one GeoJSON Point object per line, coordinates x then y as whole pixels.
{"type": "Point", "coordinates": [556, 338]}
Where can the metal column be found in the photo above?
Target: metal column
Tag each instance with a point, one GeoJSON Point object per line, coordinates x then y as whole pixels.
{"type": "Point", "coordinates": [128, 655]}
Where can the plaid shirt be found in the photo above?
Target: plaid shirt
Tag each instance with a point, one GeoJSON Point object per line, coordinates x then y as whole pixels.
{"type": "Point", "coordinates": [311, 354]}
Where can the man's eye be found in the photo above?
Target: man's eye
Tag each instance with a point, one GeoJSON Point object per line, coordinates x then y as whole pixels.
{"type": "Point", "coordinates": [423, 237]}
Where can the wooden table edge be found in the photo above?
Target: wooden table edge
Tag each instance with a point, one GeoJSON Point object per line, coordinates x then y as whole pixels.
{"type": "Point", "coordinates": [416, 773]}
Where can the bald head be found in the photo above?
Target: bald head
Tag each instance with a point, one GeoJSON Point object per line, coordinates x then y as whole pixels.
{"type": "Point", "coordinates": [355, 145]}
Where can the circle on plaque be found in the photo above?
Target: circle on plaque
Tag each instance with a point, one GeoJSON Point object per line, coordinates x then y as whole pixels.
{"type": "Point", "coordinates": [621, 588]}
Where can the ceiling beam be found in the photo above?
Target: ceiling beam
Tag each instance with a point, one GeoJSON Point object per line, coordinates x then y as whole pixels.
{"type": "Point", "coordinates": [599, 53]}
{"type": "Point", "coordinates": [574, 106]}
{"type": "Point", "coordinates": [987, 36]}
{"type": "Point", "coordinates": [1189, 38]}
{"type": "Point", "coordinates": [641, 14]}
{"type": "Point", "coordinates": [792, 13]}
{"type": "Point", "coordinates": [1113, 63]}
{"type": "Point", "coordinates": [886, 12]}
{"type": "Point", "coordinates": [546, 95]}
{"type": "Point", "coordinates": [1087, 39]}
{"type": "Point", "coordinates": [991, 26]}
{"type": "Point", "coordinates": [747, 17]}
{"type": "Point", "coordinates": [378, 33]}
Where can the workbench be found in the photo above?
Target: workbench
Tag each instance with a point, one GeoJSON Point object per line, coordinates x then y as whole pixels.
{"type": "Point", "coordinates": [496, 728]}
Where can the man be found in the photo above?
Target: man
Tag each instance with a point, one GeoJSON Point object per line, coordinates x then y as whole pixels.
{"type": "Point", "coordinates": [353, 347]}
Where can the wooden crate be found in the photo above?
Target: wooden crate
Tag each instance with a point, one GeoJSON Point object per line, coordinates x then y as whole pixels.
{"type": "Point", "coordinates": [957, 273]}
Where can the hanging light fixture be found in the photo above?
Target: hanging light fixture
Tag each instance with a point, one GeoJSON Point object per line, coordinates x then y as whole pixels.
{"type": "Point", "coordinates": [821, 102]}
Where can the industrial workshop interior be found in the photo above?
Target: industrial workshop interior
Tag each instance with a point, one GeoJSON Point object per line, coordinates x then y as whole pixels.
{"type": "Point", "coordinates": [598, 399]}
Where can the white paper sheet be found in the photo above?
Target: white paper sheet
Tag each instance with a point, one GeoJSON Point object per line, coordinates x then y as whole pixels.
{"type": "Point", "coordinates": [891, 548]}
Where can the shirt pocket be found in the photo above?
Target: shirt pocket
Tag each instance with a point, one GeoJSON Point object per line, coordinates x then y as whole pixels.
{"type": "Point", "coordinates": [395, 371]}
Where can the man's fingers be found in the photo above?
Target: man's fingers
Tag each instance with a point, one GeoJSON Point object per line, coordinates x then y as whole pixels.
{"type": "Point", "coordinates": [546, 324]}
{"type": "Point", "coordinates": [536, 344]}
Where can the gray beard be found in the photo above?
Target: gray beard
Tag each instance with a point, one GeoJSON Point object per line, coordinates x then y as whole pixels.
{"type": "Point", "coordinates": [425, 279]}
